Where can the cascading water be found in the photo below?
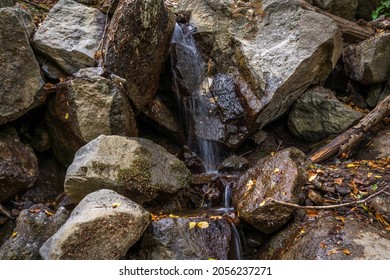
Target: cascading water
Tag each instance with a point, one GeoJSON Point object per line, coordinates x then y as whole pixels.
{"type": "Point", "coordinates": [191, 87]}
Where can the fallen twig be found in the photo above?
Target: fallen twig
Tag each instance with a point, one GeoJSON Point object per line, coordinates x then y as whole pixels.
{"type": "Point", "coordinates": [325, 207]}
{"type": "Point", "coordinates": [35, 5]}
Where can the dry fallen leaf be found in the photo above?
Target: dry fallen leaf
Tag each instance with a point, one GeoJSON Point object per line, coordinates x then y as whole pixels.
{"type": "Point", "coordinates": [346, 251]}
{"type": "Point", "coordinates": [173, 216]}
{"type": "Point", "coordinates": [191, 225]}
{"type": "Point", "coordinates": [250, 184]}
{"type": "Point", "coordinates": [276, 170]}
{"type": "Point", "coordinates": [312, 177]}
{"type": "Point", "coordinates": [66, 116]}
{"type": "Point", "coordinates": [14, 234]}
{"type": "Point", "coordinates": [333, 251]}
{"type": "Point", "coordinates": [49, 213]}
{"type": "Point", "coordinates": [340, 218]}
{"type": "Point", "coordinates": [312, 213]}
{"type": "Point", "coordinates": [339, 181]}
{"type": "Point", "coordinates": [115, 204]}
{"type": "Point", "coordinates": [350, 165]}
{"type": "Point", "coordinates": [202, 224]}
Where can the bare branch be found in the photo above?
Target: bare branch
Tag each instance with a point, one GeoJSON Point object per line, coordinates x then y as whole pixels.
{"type": "Point", "coordinates": [326, 207]}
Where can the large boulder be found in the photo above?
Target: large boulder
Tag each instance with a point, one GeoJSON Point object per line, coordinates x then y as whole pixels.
{"type": "Point", "coordinates": [369, 61]}
{"type": "Point", "coordinates": [91, 104]}
{"type": "Point", "coordinates": [33, 227]}
{"type": "Point", "coordinates": [21, 84]}
{"type": "Point", "coordinates": [139, 35]}
{"type": "Point", "coordinates": [278, 177]}
{"type": "Point", "coordinates": [70, 35]}
{"type": "Point", "coordinates": [260, 56]}
{"type": "Point", "coordinates": [103, 226]}
{"type": "Point", "coordinates": [342, 8]}
{"type": "Point", "coordinates": [134, 167]}
{"type": "Point", "coordinates": [318, 114]}
{"type": "Point", "coordinates": [18, 164]}
{"type": "Point", "coordinates": [187, 239]}
{"type": "Point", "coordinates": [327, 237]}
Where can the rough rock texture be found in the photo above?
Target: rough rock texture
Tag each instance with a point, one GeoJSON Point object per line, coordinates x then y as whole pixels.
{"type": "Point", "coordinates": [365, 8]}
{"type": "Point", "coordinates": [327, 238]}
{"type": "Point", "coordinates": [379, 146]}
{"type": "Point", "coordinates": [369, 61]}
{"type": "Point", "coordinates": [381, 204]}
{"type": "Point", "coordinates": [134, 167]}
{"type": "Point", "coordinates": [91, 104]}
{"type": "Point", "coordinates": [278, 177]}
{"type": "Point", "coordinates": [106, 6]}
{"type": "Point", "coordinates": [164, 120]}
{"type": "Point", "coordinates": [139, 36]}
{"type": "Point", "coordinates": [234, 163]}
{"type": "Point", "coordinates": [33, 227]}
{"type": "Point", "coordinates": [103, 226]}
{"type": "Point", "coordinates": [173, 239]}
{"type": "Point", "coordinates": [70, 35]}
{"type": "Point", "coordinates": [271, 50]}
{"type": "Point", "coordinates": [6, 3]}
{"type": "Point", "coordinates": [21, 84]}
{"type": "Point", "coordinates": [342, 8]}
{"type": "Point", "coordinates": [318, 114]}
{"type": "Point", "coordinates": [191, 160]}
{"type": "Point", "coordinates": [18, 164]}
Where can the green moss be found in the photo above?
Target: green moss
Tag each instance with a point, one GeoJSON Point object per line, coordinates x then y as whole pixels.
{"type": "Point", "coordinates": [180, 169]}
{"type": "Point", "coordinates": [137, 176]}
{"type": "Point", "coordinates": [100, 167]}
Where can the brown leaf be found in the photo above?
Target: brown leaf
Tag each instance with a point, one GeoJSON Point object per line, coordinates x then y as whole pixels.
{"type": "Point", "coordinates": [333, 251]}
{"type": "Point", "coordinates": [346, 251]}
{"type": "Point", "coordinates": [339, 181]}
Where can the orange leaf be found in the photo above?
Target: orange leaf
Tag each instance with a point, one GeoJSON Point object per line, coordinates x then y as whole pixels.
{"type": "Point", "coordinates": [346, 251]}
{"type": "Point", "coordinates": [333, 251]}
{"type": "Point", "coordinates": [340, 218]}
{"type": "Point", "coordinates": [339, 181]}
{"type": "Point", "coordinates": [312, 213]}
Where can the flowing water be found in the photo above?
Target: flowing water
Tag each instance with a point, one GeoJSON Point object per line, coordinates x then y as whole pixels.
{"type": "Point", "coordinates": [191, 87]}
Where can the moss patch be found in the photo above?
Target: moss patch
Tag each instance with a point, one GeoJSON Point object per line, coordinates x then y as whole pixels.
{"type": "Point", "coordinates": [180, 169]}
{"type": "Point", "coordinates": [137, 176]}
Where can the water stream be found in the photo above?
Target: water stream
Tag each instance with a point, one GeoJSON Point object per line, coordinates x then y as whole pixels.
{"type": "Point", "coordinates": [191, 86]}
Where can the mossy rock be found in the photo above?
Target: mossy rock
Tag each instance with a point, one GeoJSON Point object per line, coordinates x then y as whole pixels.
{"type": "Point", "coordinates": [134, 167]}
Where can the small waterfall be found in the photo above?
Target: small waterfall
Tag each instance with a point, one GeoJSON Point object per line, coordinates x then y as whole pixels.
{"type": "Point", "coordinates": [235, 247]}
{"type": "Point", "coordinates": [191, 88]}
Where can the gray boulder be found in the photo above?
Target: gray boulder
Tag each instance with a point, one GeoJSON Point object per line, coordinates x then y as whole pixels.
{"type": "Point", "coordinates": [70, 35]}
{"type": "Point", "coordinates": [33, 227]}
{"type": "Point", "coordinates": [369, 61]}
{"type": "Point", "coordinates": [21, 84]}
{"type": "Point", "coordinates": [342, 8]}
{"type": "Point", "coordinates": [139, 35]}
{"type": "Point", "coordinates": [187, 239]}
{"type": "Point", "coordinates": [18, 164]}
{"type": "Point", "coordinates": [326, 238]}
{"type": "Point", "coordinates": [271, 51]}
{"type": "Point", "coordinates": [318, 114]}
{"type": "Point", "coordinates": [279, 177]}
{"type": "Point", "coordinates": [103, 226]}
{"type": "Point", "coordinates": [134, 167]}
{"type": "Point", "coordinates": [91, 104]}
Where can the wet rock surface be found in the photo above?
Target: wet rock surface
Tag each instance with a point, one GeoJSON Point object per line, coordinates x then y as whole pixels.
{"type": "Point", "coordinates": [187, 239]}
{"type": "Point", "coordinates": [136, 168]}
{"type": "Point", "coordinates": [18, 66]}
{"type": "Point", "coordinates": [369, 61]}
{"type": "Point", "coordinates": [18, 164]}
{"type": "Point", "coordinates": [70, 35]}
{"type": "Point", "coordinates": [139, 36]}
{"type": "Point", "coordinates": [278, 177]}
{"type": "Point", "coordinates": [234, 163]}
{"type": "Point", "coordinates": [91, 104]}
{"type": "Point", "coordinates": [318, 114]}
{"type": "Point", "coordinates": [33, 227]}
{"type": "Point", "coordinates": [104, 225]}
